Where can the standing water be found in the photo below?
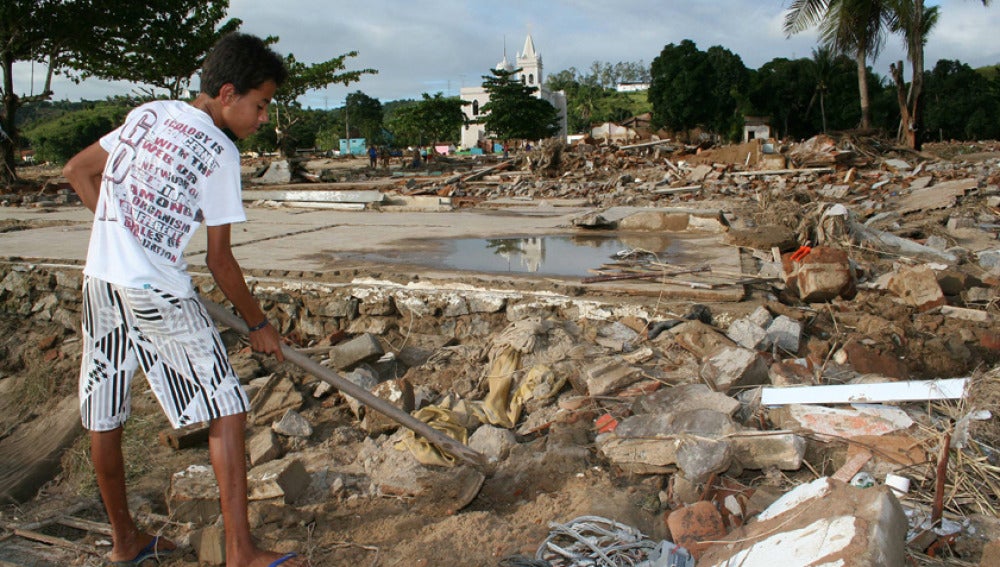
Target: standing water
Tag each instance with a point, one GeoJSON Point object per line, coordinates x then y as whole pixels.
{"type": "Point", "coordinates": [551, 255]}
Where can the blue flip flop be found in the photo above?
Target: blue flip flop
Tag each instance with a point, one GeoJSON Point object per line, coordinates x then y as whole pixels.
{"type": "Point", "coordinates": [281, 560]}
{"type": "Point", "coordinates": [148, 552]}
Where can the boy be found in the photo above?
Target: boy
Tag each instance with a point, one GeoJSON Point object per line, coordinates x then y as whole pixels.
{"type": "Point", "coordinates": [151, 182]}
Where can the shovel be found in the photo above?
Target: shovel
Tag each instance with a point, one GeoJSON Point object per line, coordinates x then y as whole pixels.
{"type": "Point", "coordinates": [443, 442]}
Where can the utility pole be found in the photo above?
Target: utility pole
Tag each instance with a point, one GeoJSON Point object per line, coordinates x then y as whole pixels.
{"type": "Point", "coordinates": [347, 129]}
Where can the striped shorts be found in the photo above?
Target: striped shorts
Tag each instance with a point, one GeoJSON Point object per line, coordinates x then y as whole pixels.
{"type": "Point", "coordinates": [171, 338]}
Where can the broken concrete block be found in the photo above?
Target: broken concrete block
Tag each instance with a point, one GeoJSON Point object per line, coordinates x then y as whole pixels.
{"type": "Point", "coordinates": [210, 544]}
{"type": "Point", "coordinates": [616, 337]}
{"type": "Point", "coordinates": [825, 522]}
{"type": "Point", "coordinates": [431, 490]}
{"type": "Point", "coordinates": [292, 424]}
{"type": "Point", "coordinates": [284, 478]}
{"type": "Point", "coordinates": [974, 315]}
{"type": "Point", "coordinates": [649, 443]}
{"type": "Point", "coordinates": [494, 442]}
{"type": "Point", "coordinates": [823, 274]}
{"type": "Point", "coordinates": [784, 333]}
{"type": "Point", "coordinates": [480, 303]}
{"type": "Point", "coordinates": [686, 396]}
{"type": "Point", "coordinates": [760, 317]}
{"type": "Point", "coordinates": [263, 447]}
{"type": "Point", "coordinates": [700, 339]}
{"type": "Point", "coordinates": [866, 360]}
{"type": "Point", "coordinates": [399, 393]}
{"type": "Point", "coordinates": [699, 173]}
{"type": "Point", "coordinates": [918, 287]}
{"type": "Point", "coordinates": [694, 527]}
{"type": "Point", "coordinates": [843, 422]}
{"type": "Point", "coordinates": [273, 399]}
{"type": "Point", "coordinates": [733, 367]}
{"type": "Point", "coordinates": [609, 375]}
{"type": "Point", "coordinates": [748, 334]}
{"type": "Point", "coordinates": [193, 496]}
{"type": "Point", "coordinates": [278, 173]}
{"type": "Point", "coordinates": [783, 374]}
{"type": "Point", "coordinates": [783, 450]}
{"type": "Point", "coordinates": [364, 378]}
{"type": "Point", "coordinates": [359, 349]}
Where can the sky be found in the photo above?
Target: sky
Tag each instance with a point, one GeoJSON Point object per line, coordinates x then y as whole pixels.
{"type": "Point", "coordinates": [441, 46]}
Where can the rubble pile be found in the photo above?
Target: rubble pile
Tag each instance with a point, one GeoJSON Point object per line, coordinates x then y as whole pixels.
{"type": "Point", "coordinates": [839, 412]}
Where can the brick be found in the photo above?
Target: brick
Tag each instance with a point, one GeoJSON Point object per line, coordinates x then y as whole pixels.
{"type": "Point", "coordinates": [691, 525]}
{"type": "Point", "coordinates": [918, 287]}
{"type": "Point", "coordinates": [263, 446]}
{"type": "Point", "coordinates": [733, 367]}
{"type": "Point", "coordinates": [359, 349]}
{"type": "Point", "coordinates": [285, 479]}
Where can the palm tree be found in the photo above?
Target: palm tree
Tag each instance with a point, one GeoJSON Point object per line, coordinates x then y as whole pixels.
{"type": "Point", "coordinates": [914, 21]}
{"type": "Point", "coordinates": [854, 27]}
{"type": "Point", "coordinates": [822, 69]}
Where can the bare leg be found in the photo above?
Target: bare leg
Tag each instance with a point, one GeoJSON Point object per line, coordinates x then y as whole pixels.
{"type": "Point", "coordinates": [227, 448]}
{"type": "Point", "coordinates": [109, 464]}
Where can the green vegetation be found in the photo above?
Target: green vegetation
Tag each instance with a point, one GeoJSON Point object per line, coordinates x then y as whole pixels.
{"type": "Point", "coordinates": [59, 139]}
{"type": "Point", "coordinates": [513, 112]}
{"type": "Point", "coordinates": [157, 42]}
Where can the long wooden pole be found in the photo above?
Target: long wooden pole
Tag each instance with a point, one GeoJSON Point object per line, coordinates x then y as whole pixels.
{"type": "Point", "coordinates": [374, 402]}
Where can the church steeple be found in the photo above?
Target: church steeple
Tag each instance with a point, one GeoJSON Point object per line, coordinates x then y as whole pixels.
{"type": "Point", "coordinates": [530, 64]}
{"type": "Point", "coordinates": [529, 47]}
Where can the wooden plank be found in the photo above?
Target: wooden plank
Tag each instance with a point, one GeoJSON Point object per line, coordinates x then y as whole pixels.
{"type": "Point", "coordinates": [56, 541]}
{"type": "Point", "coordinates": [784, 171]}
{"type": "Point", "coordinates": [914, 390]}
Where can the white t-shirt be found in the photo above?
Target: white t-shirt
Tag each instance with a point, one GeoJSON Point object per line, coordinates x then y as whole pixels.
{"type": "Point", "coordinates": [169, 170]}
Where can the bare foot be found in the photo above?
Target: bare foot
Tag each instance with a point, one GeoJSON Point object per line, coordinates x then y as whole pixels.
{"type": "Point", "coordinates": [142, 546]}
{"type": "Point", "coordinates": [270, 558]}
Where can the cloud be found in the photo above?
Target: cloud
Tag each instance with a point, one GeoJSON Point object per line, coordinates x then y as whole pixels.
{"type": "Point", "coordinates": [441, 46]}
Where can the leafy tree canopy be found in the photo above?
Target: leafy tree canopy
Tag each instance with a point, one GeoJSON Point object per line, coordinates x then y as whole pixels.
{"type": "Point", "coordinates": [303, 78]}
{"type": "Point", "coordinates": [513, 111]}
{"type": "Point", "coordinates": [101, 38]}
{"type": "Point", "coordinates": [692, 88]}
{"type": "Point", "coordinates": [433, 119]}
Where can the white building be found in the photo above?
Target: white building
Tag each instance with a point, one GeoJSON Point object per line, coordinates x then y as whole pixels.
{"type": "Point", "coordinates": [631, 87]}
{"type": "Point", "coordinates": [530, 64]}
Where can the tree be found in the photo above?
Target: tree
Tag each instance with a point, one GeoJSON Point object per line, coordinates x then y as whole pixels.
{"type": "Point", "coordinates": [821, 71]}
{"type": "Point", "coordinates": [435, 118]}
{"type": "Point", "coordinates": [856, 27]}
{"type": "Point", "coordinates": [165, 60]}
{"type": "Point", "coordinates": [364, 114]}
{"type": "Point", "coordinates": [62, 35]}
{"type": "Point", "coordinates": [301, 79]}
{"type": "Point", "coordinates": [915, 20]}
{"type": "Point", "coordinates": [961, 103]}
{"type": "Point", "coordinates": [780, 91]}
{"type": "Point", "coordinates": [691, 88]}
{"type": "Point", "coordinates": [513, 111]}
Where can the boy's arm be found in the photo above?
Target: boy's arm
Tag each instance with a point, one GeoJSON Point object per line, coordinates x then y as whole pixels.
{"type": "Point", "coordinates": [84, 172]}
{"type": "Point", "coordinates": [229, 276]}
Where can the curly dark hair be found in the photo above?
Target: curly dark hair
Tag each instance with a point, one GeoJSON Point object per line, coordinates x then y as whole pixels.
{"type": "Point", "coordinates": [243, 60]}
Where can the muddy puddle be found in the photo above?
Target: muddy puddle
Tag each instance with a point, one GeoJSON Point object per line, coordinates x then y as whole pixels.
{"type": "Point", "coordinates": [550, 255]}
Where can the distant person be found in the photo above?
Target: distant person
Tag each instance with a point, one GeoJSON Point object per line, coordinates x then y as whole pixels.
{"type": "Point", "coordinates": [416, 158]}
{"type": "Point", "coordinates": [140, 308]}
{"type": "Point", "coordinates": [383, 154]}
{"type": "Point", "coordinates": [372, 157]}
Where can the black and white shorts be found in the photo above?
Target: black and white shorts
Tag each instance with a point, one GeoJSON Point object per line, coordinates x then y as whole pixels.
{"type": "Point", "coordinates": [171, 338]}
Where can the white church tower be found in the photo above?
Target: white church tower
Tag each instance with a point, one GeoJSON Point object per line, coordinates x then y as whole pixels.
{"type": "Point", "coordinates": [530, 63]}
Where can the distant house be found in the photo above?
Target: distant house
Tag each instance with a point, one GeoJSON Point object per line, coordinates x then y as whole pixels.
{"type": "Point", "coordinates": [530, 64]}
{"type": "Point", "coordinates": [631, 87]}
{"type": "Point", "coordinates": [609, 132]}
{"type": "Point", "coordinates": [755, 127]}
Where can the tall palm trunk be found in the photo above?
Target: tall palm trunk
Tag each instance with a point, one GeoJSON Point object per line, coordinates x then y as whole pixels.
{"type": "Point", "coordinates": [913, 132]}
{"type": "Point", "coordinates": [861, 57]}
